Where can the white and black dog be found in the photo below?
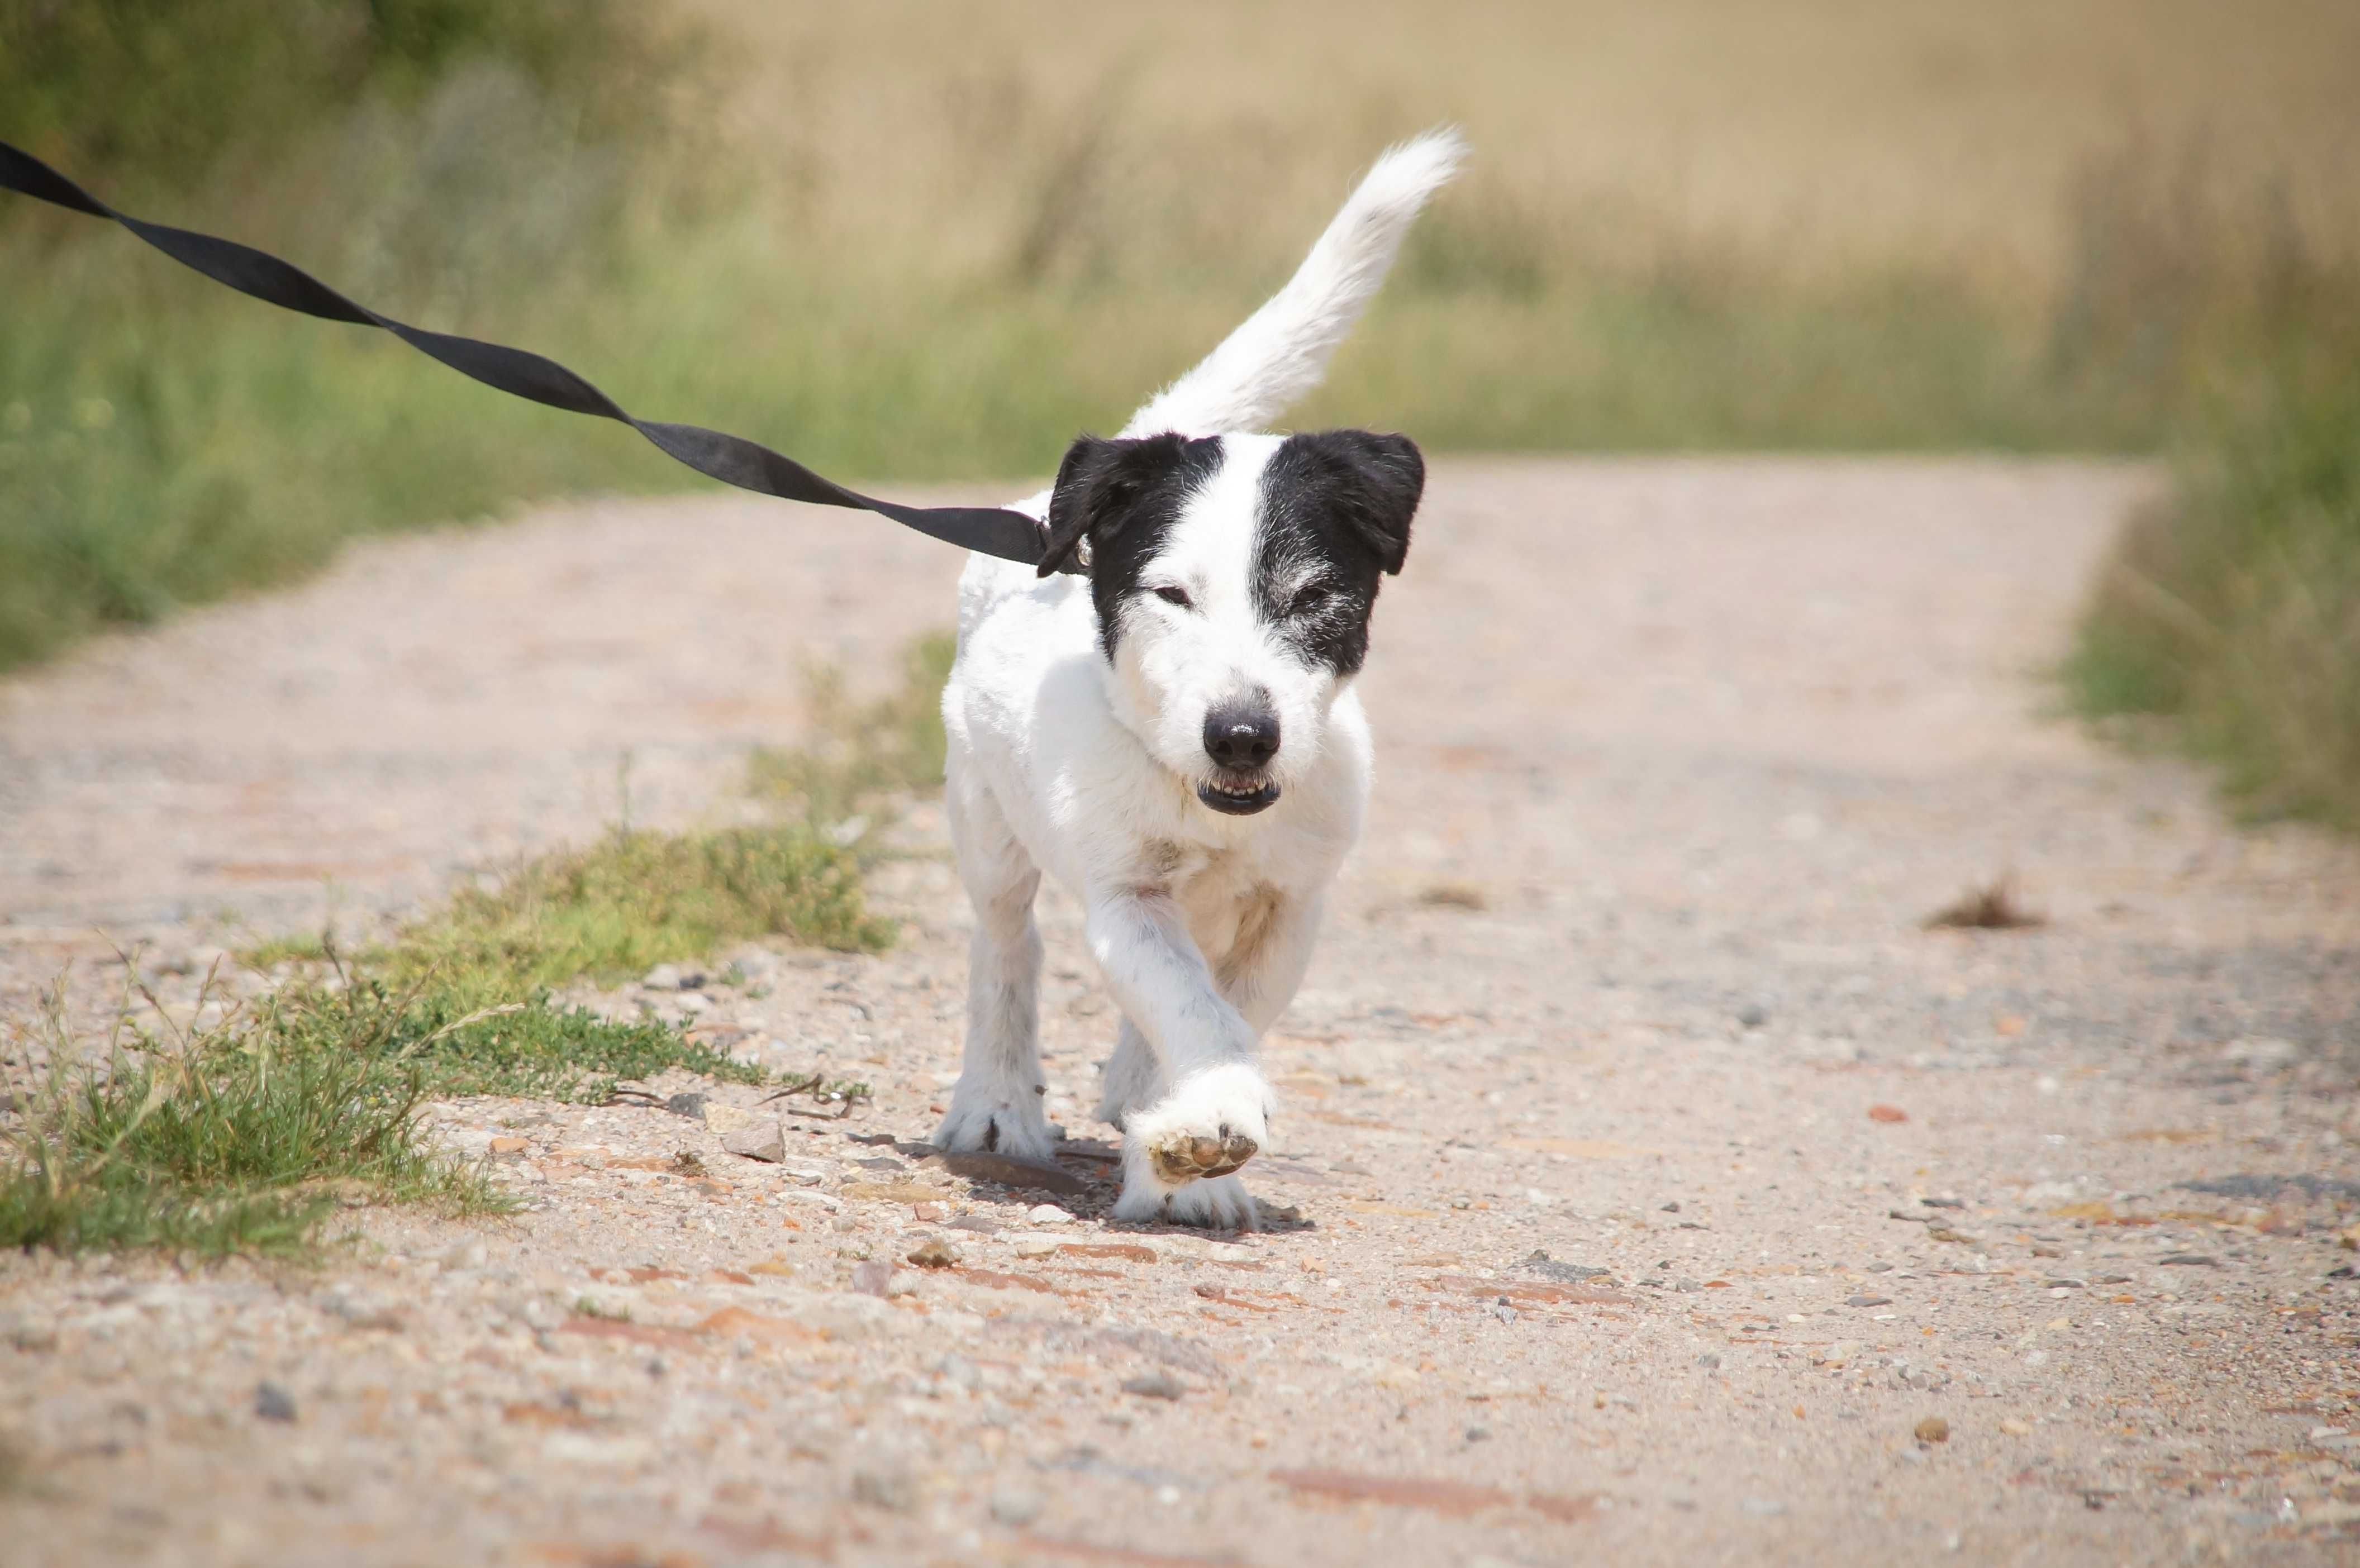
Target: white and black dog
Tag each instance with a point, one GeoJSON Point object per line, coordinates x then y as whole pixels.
{"type": "Point", "coordinates": [1174, 737]}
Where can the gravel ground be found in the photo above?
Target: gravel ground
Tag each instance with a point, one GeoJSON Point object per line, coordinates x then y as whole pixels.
{"type": "Point", "coordinates": [1661, 1191]}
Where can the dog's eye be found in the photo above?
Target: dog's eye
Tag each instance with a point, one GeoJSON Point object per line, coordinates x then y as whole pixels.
{"type": "Point", "coordinates": [1307, 599]}
{"type": "Point", "coordinates": [1174, 596]}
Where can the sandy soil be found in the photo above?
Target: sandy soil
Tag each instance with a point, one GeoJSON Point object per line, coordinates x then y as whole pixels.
{"type": "Point", "coordinates": [1863, 1242]}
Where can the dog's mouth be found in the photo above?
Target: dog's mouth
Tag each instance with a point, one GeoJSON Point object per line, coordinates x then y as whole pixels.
{"type": "Point", "coordinates": [1237, 796]}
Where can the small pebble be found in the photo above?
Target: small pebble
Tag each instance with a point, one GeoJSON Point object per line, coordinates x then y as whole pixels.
{"type": "Point", "coordinates": [1868, 1301]}
{"type": "Point", "coordinates": [1154, 1386]}
{"type": "Point", "coordinates": [1933, 1429]}
{"type": "Point", "coordinates": [272, 1402]}
{"type": "Point", "coordinates": [1047, 1213]}
{"type": "Point", "coordinates": [893, 1490]}
{"type": "Point", "coordinates": [1478, 1435]}
{"type": "Point", "coordinates": [932, 1253]}
{"type": "Point", "coordinates": [1547, 1267]}
{"type": "Point", "coordinates": [691, 1105]}
{"type": "Point", "coordinates": [1015, 1506]}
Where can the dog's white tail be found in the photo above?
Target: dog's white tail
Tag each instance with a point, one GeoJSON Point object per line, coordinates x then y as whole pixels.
{"type": "Point", "coordinates": [1281, 350]}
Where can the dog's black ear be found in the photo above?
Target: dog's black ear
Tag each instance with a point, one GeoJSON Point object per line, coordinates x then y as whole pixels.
{"type": "Point", "coordinates": [1372, 481]}
{"type": "Point", "coordinates": [1100, 487]}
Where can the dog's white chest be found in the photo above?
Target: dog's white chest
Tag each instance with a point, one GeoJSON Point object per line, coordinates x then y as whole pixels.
{"type": "Point", "coordinates": [1225, 893]}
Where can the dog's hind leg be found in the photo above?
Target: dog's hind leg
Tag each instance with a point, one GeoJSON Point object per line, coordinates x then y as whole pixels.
{"type": "Point", "coordinates": [997, 1102]}
{"type": "Point", "coordinates": [1133, 1080]}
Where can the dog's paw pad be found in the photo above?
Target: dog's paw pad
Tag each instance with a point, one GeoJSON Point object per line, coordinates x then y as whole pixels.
{"type": "Point", "coordinates": [1184, 1158]}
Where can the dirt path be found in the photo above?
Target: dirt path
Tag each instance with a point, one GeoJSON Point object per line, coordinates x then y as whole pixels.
{"type": "Point", "coordinates": [1676, 756]}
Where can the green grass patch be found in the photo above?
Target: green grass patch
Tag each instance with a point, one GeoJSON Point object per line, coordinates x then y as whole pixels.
{"type": "Point", "coordinates": [2228, 618]}
{"type": "Point", "coordinates": [634, 899]}
{"type": "Point", "coordinates": [535, 1047]}
{"type": "Point", "coordinates": [248, 1136]}
{"type": "Point", "coordinates": [244, 1137]}
{"type": "Point", "coordinates": [471, 983]}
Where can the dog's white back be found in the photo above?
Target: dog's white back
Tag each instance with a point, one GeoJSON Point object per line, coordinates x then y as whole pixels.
{"type": "Point", "coordinates": [1173, 737]}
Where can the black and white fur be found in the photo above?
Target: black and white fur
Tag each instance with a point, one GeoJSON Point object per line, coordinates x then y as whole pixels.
{"type": "Point", "coordinates": [1174, 737]}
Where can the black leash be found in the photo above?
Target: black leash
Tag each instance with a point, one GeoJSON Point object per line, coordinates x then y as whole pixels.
{"type": "Point", "coordinates": [733, 460]}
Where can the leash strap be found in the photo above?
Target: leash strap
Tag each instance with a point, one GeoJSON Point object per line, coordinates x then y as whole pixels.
{"type": "Point", "coordinates": [733, 460]}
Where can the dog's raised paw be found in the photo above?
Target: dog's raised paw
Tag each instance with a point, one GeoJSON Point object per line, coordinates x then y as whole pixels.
{"type": "Point", "coordinates": [1206, 1128]}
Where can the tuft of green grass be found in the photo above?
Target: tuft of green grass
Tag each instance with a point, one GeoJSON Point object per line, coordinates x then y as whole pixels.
{"type": "Point", "coordinates": [295, 947]}
{"type": "Point", "coordinates": [537, 1048]}
{"type": "Point", "coordinates": [243, 1137]}
{"type": "Point", "coordinates": [862, 753]}
{"type": "Point", "coordinates": [2229, 615]}
{"type": "Point", "coordinates": [633, 899]}
{"type": "Point", "coordinates": [466, 988]}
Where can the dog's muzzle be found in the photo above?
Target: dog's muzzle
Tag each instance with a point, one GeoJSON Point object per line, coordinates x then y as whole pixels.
{"type": "Point", "coordinates": [1240, 736]}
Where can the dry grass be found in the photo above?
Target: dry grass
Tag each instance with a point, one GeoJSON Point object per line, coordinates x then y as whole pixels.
{"type": "Point", "coordinates": [1992, 906]}
{"type": "Point", "coordinates": [1827, 137]}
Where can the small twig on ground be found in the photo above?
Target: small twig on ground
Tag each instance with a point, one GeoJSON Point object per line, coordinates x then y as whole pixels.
{"type": "Point", "coordinates": [844, 1092]}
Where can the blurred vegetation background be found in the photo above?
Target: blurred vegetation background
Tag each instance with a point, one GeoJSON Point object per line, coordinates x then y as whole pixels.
{"type": "Point", "coordinates": [914, 241]}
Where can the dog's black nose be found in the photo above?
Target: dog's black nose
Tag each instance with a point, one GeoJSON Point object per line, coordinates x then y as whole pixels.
{"type": "Point", "coordinates": [1241, 735]}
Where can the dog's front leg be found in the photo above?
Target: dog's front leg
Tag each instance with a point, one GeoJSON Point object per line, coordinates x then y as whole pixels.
{"type": "Point", "coordinates": [998, 1102]}
{"type": "Point", "coordinates": [1180, 1155]}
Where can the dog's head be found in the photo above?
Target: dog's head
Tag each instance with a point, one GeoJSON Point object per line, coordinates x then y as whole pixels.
{"type": "Point", "coordinates": [1233, 577]}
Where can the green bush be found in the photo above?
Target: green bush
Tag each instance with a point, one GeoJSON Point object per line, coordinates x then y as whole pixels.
{"type": "Point", "coordinates": [148, 95]}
